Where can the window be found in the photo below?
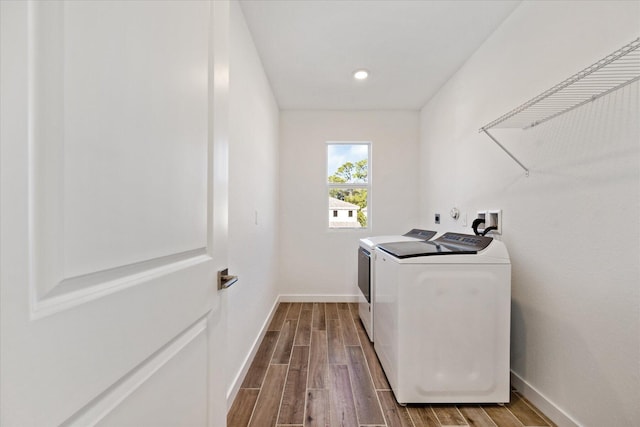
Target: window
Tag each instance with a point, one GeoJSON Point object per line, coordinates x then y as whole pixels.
{"type": "Point", "coordinates": [348, 183]}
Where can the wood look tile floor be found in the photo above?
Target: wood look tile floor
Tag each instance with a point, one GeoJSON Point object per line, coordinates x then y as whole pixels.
{"type": "Point", "coordinates": [316, 367]}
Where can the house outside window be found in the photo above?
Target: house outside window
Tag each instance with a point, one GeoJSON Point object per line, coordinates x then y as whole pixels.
{"type": "Point", "coordinates": [348, 184]}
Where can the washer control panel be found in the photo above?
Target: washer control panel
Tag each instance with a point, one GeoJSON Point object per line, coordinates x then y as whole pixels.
{"type": "Point", "coordinates": [464, 241]}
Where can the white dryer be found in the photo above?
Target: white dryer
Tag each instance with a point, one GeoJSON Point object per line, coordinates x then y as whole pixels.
{"type": "Point", "coordinates": [366, 276]}
{"type": "Point", "coordinates": [442, 316]}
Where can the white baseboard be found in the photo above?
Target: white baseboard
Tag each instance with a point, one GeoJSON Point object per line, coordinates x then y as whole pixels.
{"type": "Point", "coordinates": [232, 392]}
{"type": "Point", "coordinates": [546, 406]}
{"type": "Point", "coordinates": [317, 298]}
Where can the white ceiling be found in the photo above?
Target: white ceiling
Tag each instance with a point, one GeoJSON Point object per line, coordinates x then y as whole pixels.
{"type": "Point", "coordinates": [310, 48]}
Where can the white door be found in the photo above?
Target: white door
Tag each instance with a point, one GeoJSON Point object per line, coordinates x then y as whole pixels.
{"type": "Point", "coordinates": [113, 212]}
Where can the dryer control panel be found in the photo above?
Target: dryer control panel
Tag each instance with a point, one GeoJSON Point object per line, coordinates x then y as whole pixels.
{"type": "Point", "coordinates": [416, 233]}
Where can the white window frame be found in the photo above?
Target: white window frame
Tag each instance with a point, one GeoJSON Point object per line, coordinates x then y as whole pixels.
{"type": "Point", "coordinates": [334, 185]}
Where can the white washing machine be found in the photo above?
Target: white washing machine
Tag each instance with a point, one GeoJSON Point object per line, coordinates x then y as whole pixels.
{"type": "Point", "coordinates": [442, 317]}
{"type": "Point", "coordinates": [366, 277]}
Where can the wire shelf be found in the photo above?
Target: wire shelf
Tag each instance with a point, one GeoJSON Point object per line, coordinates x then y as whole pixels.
{"type": "Point", "coordinates": [617, 70]}
{"type": "Point", "coordinates": [613, 72]}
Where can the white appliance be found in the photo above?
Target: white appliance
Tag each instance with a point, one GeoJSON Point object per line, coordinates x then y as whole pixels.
{"type": "Point", "coordinates": [442, 318]}
{"type": "Point", "coordinates": [366, 277]}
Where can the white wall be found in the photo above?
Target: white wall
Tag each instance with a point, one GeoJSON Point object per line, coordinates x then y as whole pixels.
{"type": "Point", "coordinates": [253, 187]}
{"type": "Point", "coordinates": [313, 259]}
{"type": "Point", "coordinates": [572, 227]}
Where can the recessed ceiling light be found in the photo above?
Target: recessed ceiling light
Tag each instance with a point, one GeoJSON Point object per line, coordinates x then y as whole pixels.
{"type": "Point", "coordinates": [360, 74]}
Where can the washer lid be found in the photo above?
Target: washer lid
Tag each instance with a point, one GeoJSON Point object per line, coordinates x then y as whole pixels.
{"type": "Point", "coordinates": [447, 244]}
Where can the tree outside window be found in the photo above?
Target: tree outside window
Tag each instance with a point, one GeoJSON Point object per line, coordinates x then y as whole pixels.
{"type": "Point", "coordinates": [348, 184]}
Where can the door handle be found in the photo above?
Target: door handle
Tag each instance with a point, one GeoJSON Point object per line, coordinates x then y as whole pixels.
{"type": "Point", "coordinates": [225, 280]}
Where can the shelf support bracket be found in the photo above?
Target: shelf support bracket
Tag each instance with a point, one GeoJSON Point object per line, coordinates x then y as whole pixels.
{"type": "Point", "coordinates": [506, 151]}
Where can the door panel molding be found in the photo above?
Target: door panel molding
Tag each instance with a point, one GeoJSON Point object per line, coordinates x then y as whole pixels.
{"type": "Point", "coordinates": [134, 335]}
{"type": "Point", "coordinates": [74, 291]}
{"type": "Point", "coordinates": [60, 202]}
{"type": "Point", "coordinates": [92, 413]}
